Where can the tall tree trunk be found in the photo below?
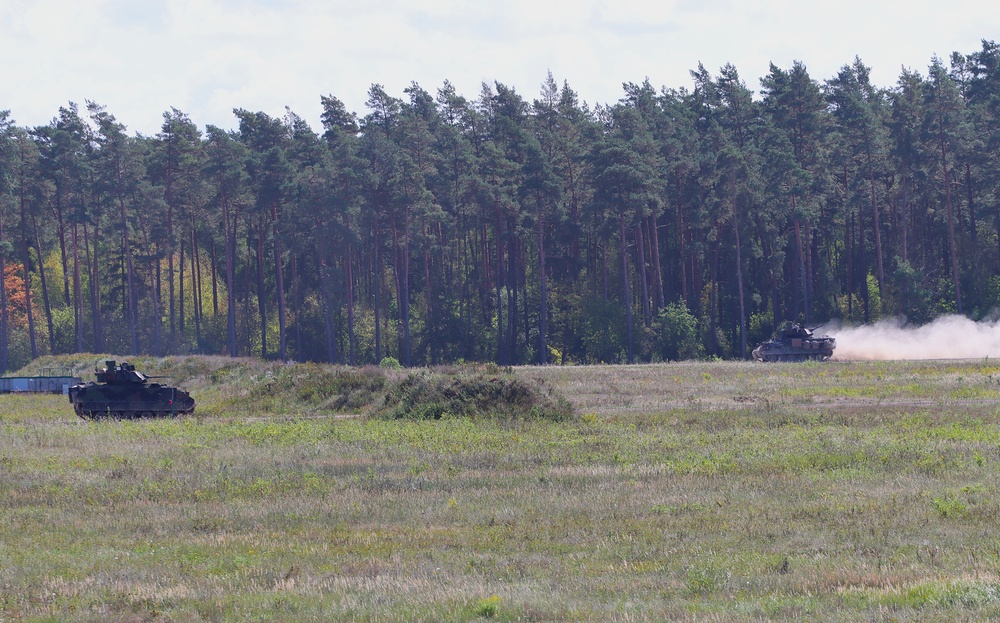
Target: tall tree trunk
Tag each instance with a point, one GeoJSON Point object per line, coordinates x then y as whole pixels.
{"type": "Point", "coordinates": [628, 293]}
{"type": "Point", "coordinates": [92, 270]}
{"type": "Point", "coordinates": [128, 267]}
{"type": "Point", "coordinates": [849, 252]}
{"type": "Point", "coordinates": [296, 306]}
{"type": "Point", "coordinates": [486, 270]}
{"type": "Point", "coordinates": [680, 237]}
{"type": "Point", "coordinates": [248, 348]}
{"type": "Point", "coordinates": [657, 268]}
{"type": "Point", "coordinates": [431, 320]}
{"type": "Point", "coordinates": [861, 267]}
{"type": "Point", "coordinates": [45, 289]}
{"type": "Point", "coordinates": [604, 268]}
{"type": "Point", "coordinates": [349, 260]}
{"type": "Point", "coordinates": [405, 289]}
{"type": "Point", "coordinates": [713, 312]}
{"type": "Point", "coordinates": [62, 245]}
{"type": "Point", "coordinates": [215, 281]}
{"type": "Point", "coordinates": [154, 269]}
{"type": "Point", "coordinates": [180, 285]}
{"type": "Point", "coordinates": [808, 245]}
{"type": "Point", "coordinates": [739, 285]}
{"type": "Point", "coordinates": [880, 273]}
{"type": "Point", "coordinates": [280, 283]}
{"type": "Point", "coordinates": [154, 250]}
{"type": "Point", "coordinates": [696, 279]}
{"type": "Point", "coordinates": [907, 219]}
{"type": "Point", "coordinates": [199, 283]}
{"type": "Point", "coordinates": [543, 308]}
{"type": "Point", "coordinates": [973, 228]}
{"type": "Point", "coordinates": [327, 303]}
{"type": "Point", "coordinates": [26, 260]}
{"type": "Point", "coordinates": [88, 265]}
{"type": "Point", "coordinates": [522, 256]}
{"type": "Point", "coordinates": [4, 313]}
{"type": "Point", "coordinates": [501, 342]}
{"type": "Point", "coordinates": [229, 230]}
{"type": "Point", "coordinates": [802, 267]}
{"type": "Point", "coordinates": [231, 292]}
{"type": "Point", "coordinates": [952, 247]}
{"type": "Point", "coordinates": [463, 292]}
{"type": "Point", "coordinates": [26, 275]}
{"type": "Point", "coordinates": [77, 303]}
{"type": "Point", "coordinates": [511, 294]}
{"type": "Point", "coordinates": [261, 297]}
{"type": "Point", "coordinates": [377, 286]}
{"type": "Point", "coordinates": [169, 196]}
{"type": "Point", "coordinates": [397, 279]}
{"type": "Point", "coordinates": [640, 254]}
{"type": "Point", "coordinates": [195, 283]}
{"type": "Point", "coordinates": [772, 278]}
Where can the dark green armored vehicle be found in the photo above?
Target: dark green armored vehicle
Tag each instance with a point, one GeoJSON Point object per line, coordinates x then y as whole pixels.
{"type": "Point", "coordinates": [121, 391]}
{"type": "Point", "coordinates": [796, 343]}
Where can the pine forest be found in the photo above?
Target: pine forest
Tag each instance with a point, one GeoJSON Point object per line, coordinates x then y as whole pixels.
{"type": "Point", "coordinates": [438, 228]}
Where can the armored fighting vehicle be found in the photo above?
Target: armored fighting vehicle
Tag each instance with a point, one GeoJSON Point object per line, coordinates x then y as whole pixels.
{"type": "Point", "coordinates": [121, 391]}
{"type": "Point", "coordinates": [796, 343]}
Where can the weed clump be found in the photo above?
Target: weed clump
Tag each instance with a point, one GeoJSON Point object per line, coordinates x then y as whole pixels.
{"type": "Point", "coordinates": [488, 607]}
{"type": "Point", "coordinates": [427, 395]}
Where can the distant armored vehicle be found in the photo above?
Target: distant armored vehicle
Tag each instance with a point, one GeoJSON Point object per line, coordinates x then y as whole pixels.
{"type": "Point", "coordinates": [796, 343]}
{"type": "Point", "coordinates": [123, 392]}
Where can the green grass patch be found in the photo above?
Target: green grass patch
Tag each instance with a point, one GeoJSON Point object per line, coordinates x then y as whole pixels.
{"type": "Point", "coordinates": [709, 491]}
{"type": "Point", "coordinates": [432, 395]}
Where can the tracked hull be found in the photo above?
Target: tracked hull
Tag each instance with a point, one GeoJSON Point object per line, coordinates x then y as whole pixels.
{"type": "Point", "coordinates": [123, 393]}
{"type": "Point", "coordinates": [92, 401]}
{"type": "Point", "coordinates": [795, 349]}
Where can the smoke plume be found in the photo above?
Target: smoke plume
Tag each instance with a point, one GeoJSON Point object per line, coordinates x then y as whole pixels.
{"type": "Point", "coordinates": [947, 337]}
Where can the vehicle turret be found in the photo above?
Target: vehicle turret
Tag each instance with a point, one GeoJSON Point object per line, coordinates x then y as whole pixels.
{"type": "Point", "coordinates": [122, 373]}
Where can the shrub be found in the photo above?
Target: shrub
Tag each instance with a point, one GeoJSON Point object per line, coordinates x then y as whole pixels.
{"type": "Point", "coordinates": [488, 607]}
{"type": "Point", "coordinates": [390, 362]}
{"type": "Point", "coordinates": [432, 395]}
{"type": "Point", "coordinates": [677, 334]}
{"type": "Point", "coordinates": [603, 331]}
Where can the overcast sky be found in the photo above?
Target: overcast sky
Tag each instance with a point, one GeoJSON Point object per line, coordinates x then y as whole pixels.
{"type": "Point", "coordinates": [139, 58]}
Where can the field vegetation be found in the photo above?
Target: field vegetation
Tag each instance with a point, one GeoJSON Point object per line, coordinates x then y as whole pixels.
{"type": "Point", "coordinates": [696, 492]}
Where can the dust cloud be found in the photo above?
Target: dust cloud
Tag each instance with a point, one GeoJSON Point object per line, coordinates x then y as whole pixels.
{"type": "Point", "coordinates": [947, 337]}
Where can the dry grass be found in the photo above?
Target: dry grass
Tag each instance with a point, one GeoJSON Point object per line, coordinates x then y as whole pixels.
{"type": "Point", "coordinates": [715, 491]}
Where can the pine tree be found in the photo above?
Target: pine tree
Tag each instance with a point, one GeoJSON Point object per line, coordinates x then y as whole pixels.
{"type": "Point", "coordinates": [945, 131]}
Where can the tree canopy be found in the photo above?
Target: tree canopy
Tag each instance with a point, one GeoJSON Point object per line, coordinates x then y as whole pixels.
{"type": "Point", "coordinates": [435, 228]}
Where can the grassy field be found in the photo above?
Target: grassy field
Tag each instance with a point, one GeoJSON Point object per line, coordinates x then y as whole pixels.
{"type": "Point", "coordinates": [691, 492]}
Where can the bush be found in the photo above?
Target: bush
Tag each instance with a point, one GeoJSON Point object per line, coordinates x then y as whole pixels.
{"type": "Point", "coordinates": [677, 334]}
{"type": "Point", "coordinates": [603, 332]}
{"type": "Point", "coordinates": [760, 329]}
{"type": "Point", "coordinates": [431, 395]}
{"type": "Point", "coordinates": [390, 363]}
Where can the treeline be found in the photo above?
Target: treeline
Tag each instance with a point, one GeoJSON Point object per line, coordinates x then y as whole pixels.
{"type": "Point", "coordinates": [676, 223]}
